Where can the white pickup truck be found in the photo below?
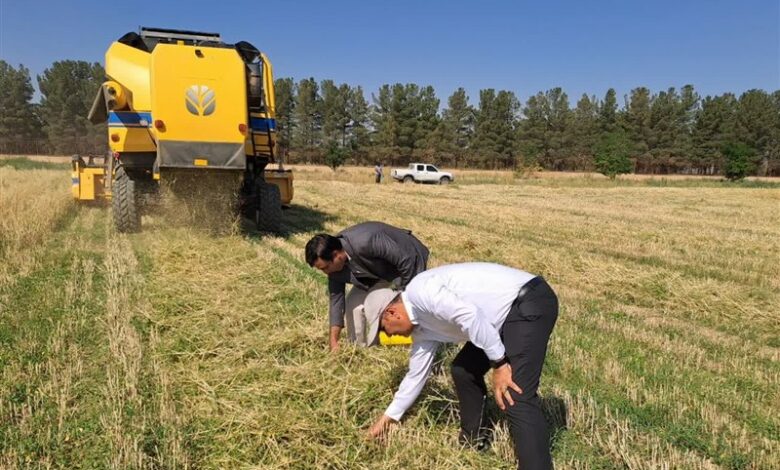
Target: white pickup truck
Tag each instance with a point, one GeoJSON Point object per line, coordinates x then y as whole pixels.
{"type": "Point", "coordinates": [422, 173]}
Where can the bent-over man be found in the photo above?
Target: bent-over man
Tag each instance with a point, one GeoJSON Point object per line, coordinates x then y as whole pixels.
{"type": "Point", "coordinates": [505, 316]}
{"type": "Point", "coordinates": [370, 255]}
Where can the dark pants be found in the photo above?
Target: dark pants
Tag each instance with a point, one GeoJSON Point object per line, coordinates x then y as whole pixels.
{"type": "Point", "coordinates": [525, 333]}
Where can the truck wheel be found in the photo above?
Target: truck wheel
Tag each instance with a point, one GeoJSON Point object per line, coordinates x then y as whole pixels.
{"type": "Point", "coordinates": [444, 180]}
{"type": "Point", "coordinates": [408, 179]}
{"type": "Point", "coordinates": [125, 204]}
{"type": "Point", "coordinates": [268, 207]}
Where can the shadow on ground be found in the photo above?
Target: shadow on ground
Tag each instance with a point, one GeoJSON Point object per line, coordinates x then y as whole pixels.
{"type": "Point", "coordinates": [441, 402]}
{"type": "Point", "coordinates": [295, 219]}
{"type": "Point", "coordinates": [555, 412]}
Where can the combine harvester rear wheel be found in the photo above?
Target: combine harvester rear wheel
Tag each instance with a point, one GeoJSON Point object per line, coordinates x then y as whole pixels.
{"type": "Point", "coordinates": [127, 217]}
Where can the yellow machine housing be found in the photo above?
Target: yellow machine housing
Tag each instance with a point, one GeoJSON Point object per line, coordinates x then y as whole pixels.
{"type": "Point", "coordinates": [186, 101]}
{"type": "Point", "coordinates": [200, 116]}
{"type": "Point", "coordinates": [87, 180]}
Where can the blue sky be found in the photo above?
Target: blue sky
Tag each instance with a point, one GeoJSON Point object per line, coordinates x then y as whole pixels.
{"type": "Point", "coordinates": [581, 46]}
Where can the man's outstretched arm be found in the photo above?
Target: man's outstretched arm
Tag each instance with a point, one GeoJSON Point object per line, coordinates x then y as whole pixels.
{"type": "Point", "coordinates": [336, 313]}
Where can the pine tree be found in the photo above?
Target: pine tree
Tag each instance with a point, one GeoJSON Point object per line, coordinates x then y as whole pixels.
{"type": "Point", "coordinates": [68, 88]}
{"type": "Point", "coordinates": [608, 112]}
{"type": "Point", "coordinates": [665, 128]}
{"type": "Point", "coordinates": [687, 111]}
{"type": "Point", "coordinates": [713, 129]}
{"type": "Point", "coordinates": [284, 89]}
{"type": "Point", "coordinates": [546, 132]}
{"type": "Point", "coordinates": [506, 108]}
{"type": "Point", "coordinates": [405, 113]}
{"type": "Point", "coordinates": [532, 129]}
{"type": "Point", "coordinates": [404, 117]}
{"type": "Point", "coordinates": [495, 127]}
{"type": "Point", "coordinates": [384, 118]}
{"type": "Point", "coordinates": [637, 120]}
{"type": "Point", "coordinates": [427, 119]}
{"type": "Point", "coordinates": [557, 138]}
{"type": "Point", "coordinates": [773, 150]}
{"type": "Point", "coordinates": [452, 137]}
{"type": "Point", "coordinates": [358, 111]}
{"type": "Point", "coordinates": [308, 115]}
{"type": "Point", "coordinates": [335, 113]}
{"type": "Point", "coordinates": [584, 130]}
{"type": "Point", "coordinates": [19, 125]}
{"type": "Point", "coordinates": [758, 126]}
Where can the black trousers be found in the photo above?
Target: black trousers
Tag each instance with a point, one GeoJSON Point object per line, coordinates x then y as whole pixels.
{"type": "Point", "coordinates": [525, 333]}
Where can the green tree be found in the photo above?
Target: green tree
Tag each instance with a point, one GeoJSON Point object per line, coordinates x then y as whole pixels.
{"type": "Point", "coordinates": [664, 141]}
{"type": "Point", "coordinates": [637, 120]}
{"type": "Point", "coordinates": [336, 155]}
{"type": "Point", "coordinates": [531, 130]}
{"type": "Point", "coordinates": [284, 89]}
{"type": "Point", "coordinates": [584, 130]}
{"type": "Point", "coordinates": [608, 112]}
{"type": "Point", "coordinates": [308, 115]}
{"type": "Point", "coordinates": [612, 154]}
{"type": "Point", "coordinates": [687, 111]}
{"type": "Point", "coordinates": [758, 125]}
{"type": "Point", "coordinates": [739, 160]}
{"type": "Point", "coordinates": [547, 132]}
{"type": "Point", "coordinates": [405, 111]}
{"type": "Point", "coordinates": [452, 137]}
{"type": "Point", "coordinates": [558, 146]}
{"type": "Point", "coordinates": [68, 88]}
{"type": "Point", "coordinates": [713, 129]}
{"type": "Point", "coordinates": [773, 150]}
{"type": "Point", "coordinates": [19, 125]}
{"type": "Point", "coordinates": [426, 118]}
{"type": "Point", "coordinates": [358, 134]}
{"type": "Point", "coordinates": [384, 116]}
{"type": "Point", "coordinates": [335, 111]}
{"type": "Point", "coordinates": [403, 116]}
{"type": "Point", "coordinates": [495, 127]}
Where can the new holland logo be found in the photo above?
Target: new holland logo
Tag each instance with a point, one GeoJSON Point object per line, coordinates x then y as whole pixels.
{"type": "Point", "coordinates": [200, 100]}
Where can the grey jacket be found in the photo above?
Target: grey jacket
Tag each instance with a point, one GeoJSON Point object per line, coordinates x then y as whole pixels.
{"type": "Point", "coordinates": [376, 251]}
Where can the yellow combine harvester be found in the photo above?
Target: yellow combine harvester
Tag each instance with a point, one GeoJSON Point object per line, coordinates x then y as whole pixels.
{"type": "Point", "coordinates": [180, 103]}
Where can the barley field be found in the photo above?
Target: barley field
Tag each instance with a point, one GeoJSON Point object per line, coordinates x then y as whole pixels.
{"type": "Point", "coordinates": [184, 348]}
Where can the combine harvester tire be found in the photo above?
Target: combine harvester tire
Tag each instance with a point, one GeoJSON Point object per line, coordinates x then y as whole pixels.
{"type": "Point", "coordinates": [124, 202]}
{"type": "Point", "coordinates": [268, 209]}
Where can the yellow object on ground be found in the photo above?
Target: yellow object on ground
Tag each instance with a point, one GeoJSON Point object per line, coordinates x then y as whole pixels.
{"type": "Point", "coordinates": [394, 340]}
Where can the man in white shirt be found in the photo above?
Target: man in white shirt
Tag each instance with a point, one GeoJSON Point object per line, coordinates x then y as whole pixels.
{"type": "Point", "coordinates": [505, 316]}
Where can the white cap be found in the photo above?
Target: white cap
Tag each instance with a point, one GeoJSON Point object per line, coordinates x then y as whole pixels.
{"type": "Point", "coordinates": [375, 304]}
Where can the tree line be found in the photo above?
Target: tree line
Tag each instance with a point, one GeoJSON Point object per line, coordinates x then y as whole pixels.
{"type": "Point", "coordinates": [58, 123]}
{"type": "Point", "coordinates": [662, 132]}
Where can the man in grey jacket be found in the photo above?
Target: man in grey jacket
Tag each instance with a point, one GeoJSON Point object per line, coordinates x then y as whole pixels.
{"type": "Point", "coordinates": [370, 255]}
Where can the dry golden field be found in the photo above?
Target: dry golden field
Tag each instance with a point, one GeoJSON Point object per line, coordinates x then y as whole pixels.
{"type": "Point", "coordinates": [181, 348]}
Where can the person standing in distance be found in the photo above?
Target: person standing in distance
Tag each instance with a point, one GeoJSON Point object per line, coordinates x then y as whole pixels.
{"type": "Point", "coordinates": [370, 255]}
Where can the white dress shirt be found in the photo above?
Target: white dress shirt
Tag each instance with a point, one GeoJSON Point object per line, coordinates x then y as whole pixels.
{"type": "Point", "coordinates": [454, 304]}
